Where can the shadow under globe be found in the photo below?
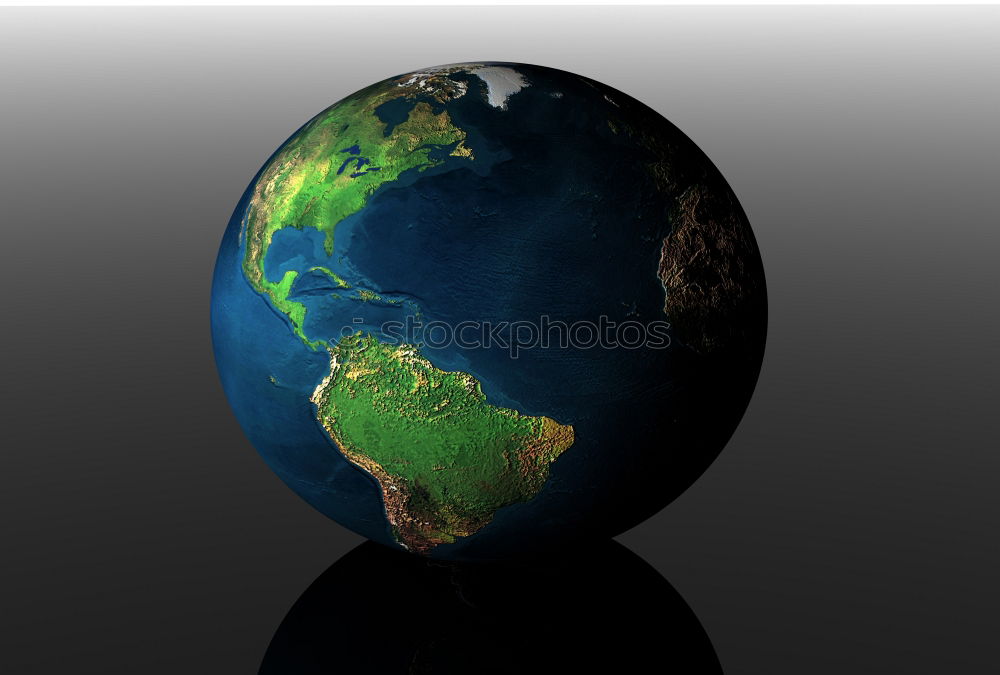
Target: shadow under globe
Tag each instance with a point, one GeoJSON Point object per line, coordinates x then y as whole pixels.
{"type": "Point", "coordinates": [380, 611]}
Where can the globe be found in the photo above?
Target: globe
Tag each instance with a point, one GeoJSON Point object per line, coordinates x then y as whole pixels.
{"type": "Point", "coordinates": [487, 310]}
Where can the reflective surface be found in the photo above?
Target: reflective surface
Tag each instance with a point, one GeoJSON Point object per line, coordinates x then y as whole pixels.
{"type": "Point", "coordinates": [848, 527]}
{"type": "Point", "coordinates": [379, 611]}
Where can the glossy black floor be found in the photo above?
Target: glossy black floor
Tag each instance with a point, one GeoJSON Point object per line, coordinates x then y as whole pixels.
{"type": "Point", "coordinates": [848, 527]}
{"type": "Point", "coordinates": [380, 611]}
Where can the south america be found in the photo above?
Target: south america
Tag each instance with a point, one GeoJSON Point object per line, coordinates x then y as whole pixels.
{"type": "Point", "coordinates": [445, 460]}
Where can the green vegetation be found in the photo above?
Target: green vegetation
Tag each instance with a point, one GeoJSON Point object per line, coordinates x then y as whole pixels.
{"type": "Point", "coordinates": [330, 168]}
{"type": "Point", "coordinates": [445, 459]}
{"type": "Point", "coordinates": [336, 278]}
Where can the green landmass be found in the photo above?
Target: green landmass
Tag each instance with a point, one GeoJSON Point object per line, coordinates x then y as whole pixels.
{"type": "Point", "coordinates": [444, 457]}
{"type": "Point", "coordinates": [369, 296]}
{"type": "Point", "coordinates": [336, 278]}
{"type": "Point", "coordinates": [331, 167]}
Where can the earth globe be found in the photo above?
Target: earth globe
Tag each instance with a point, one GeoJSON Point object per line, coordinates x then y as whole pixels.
{"type": "Point", "coordinates": [486, 310]}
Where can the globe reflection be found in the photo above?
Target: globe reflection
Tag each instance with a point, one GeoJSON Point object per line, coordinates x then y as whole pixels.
{"type": "Point", "coordinates": [380, 611]}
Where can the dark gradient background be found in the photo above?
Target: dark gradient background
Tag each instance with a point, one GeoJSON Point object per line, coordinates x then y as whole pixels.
{"type": "Point", "coordinates": [849, 526]}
